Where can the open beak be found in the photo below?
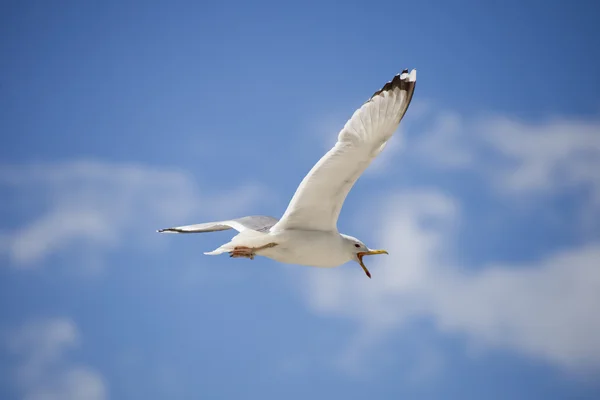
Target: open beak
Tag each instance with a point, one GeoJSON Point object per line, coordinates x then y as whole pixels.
{"type": "Point", "coordinates": [361, 254]}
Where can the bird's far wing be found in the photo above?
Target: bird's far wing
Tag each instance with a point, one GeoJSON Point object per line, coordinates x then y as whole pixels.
{"type": "Point", "coordinates": [258, 223]}
{"type": "Point", "coordinates": [318, 200]}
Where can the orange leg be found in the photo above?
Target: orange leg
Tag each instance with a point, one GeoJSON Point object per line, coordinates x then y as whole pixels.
{"type": "Point", "coordinates": [242, 252]}
{"type": "Point", "coordinates": [248, 252]}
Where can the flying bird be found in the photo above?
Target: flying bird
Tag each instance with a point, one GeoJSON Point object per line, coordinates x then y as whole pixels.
{"type": "Point", "coordinates": [307, 232]}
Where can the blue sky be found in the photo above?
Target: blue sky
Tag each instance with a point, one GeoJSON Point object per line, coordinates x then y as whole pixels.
{"type": "Point", "coordinates": [118, 118]}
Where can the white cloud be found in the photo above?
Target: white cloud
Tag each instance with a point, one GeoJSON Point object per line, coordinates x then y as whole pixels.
{"type": "Point", "coordinates": [554, 155]}
{"type": "Point", "coordinates": [546, 309]}
{"type": "Point", "coordinates": [516, 157]}
{"type": "Point", "coordinates": [100, 206]}
{"type": "Point", "coordinates": [43, 372]}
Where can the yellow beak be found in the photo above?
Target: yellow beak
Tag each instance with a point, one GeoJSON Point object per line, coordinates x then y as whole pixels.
{"type": "Point", "coordinates": [361, 254]}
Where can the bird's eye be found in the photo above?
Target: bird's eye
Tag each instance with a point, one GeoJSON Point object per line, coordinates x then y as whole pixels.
{"type": "Point", "coordinates": [356, 245]}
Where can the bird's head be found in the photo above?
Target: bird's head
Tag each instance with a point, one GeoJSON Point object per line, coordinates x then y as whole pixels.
{"type": "Point", "coordinates": [358, 250]}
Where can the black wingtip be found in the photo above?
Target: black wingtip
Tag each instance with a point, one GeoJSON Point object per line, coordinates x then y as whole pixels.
{"type": "Point", "coordinates": [404, 81]}
{"type": "Point", "coordinates": [172, 230]}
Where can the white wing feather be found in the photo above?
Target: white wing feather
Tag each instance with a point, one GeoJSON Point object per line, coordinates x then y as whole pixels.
{"type": "Point", "coordinates": [318, 200]}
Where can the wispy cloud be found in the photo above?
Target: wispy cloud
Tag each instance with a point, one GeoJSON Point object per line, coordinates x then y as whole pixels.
{"type": "Point", "coordinates": [43, 371]}
{"type": "Point", "coordinates": [100, 206]}
{"type": "Point", "coordinates": [517, 157]}
{"type": "Point", "coordinates": [543, 308]}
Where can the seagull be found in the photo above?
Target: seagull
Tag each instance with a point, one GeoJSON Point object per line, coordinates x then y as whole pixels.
{"type": "Point", "coordinates": [307, 232]}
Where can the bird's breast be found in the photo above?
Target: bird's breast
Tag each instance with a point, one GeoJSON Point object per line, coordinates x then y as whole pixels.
{"type": "Point", "coordinates": [311, 248]}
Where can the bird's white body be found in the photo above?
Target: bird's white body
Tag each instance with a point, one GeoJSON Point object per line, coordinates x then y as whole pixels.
{"type": "Point", "coordinates": [295, 246]}
{"type": "Point", "coordinates": [307, 232]}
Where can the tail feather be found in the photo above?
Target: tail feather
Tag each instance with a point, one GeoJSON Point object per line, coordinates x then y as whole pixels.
{"type": "Point", "coordinates": [217, 251]}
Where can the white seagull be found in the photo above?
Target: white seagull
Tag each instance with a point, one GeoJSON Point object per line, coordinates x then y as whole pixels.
{"type": "Point", "coordinates": [307, 233]}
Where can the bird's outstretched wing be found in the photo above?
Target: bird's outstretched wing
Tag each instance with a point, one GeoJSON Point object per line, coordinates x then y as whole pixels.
{"type": "Point", "coordinates": [318, 200]}
{"type": "Point", "coordinates": [258, 223]}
